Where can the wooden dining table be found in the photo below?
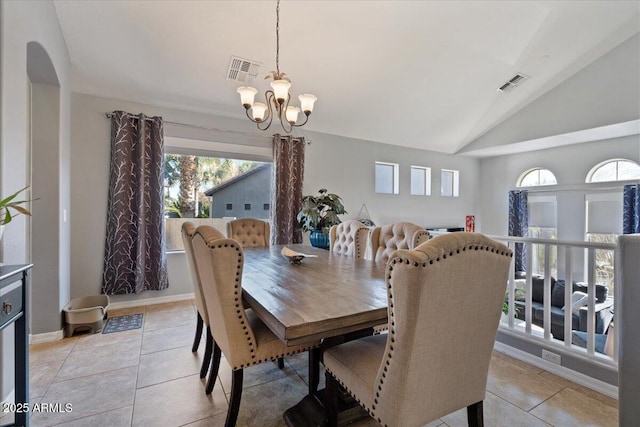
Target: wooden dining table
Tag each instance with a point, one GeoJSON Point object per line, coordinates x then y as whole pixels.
{"type": "Point", "coordinates": [325, 297]}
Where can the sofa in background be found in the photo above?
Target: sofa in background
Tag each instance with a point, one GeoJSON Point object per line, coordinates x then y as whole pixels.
{"type": "Point", "coordinates": [603, 306]}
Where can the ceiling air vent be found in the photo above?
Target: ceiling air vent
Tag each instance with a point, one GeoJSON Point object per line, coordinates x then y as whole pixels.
{"type": "Point", "coordinates": [513, 83]}
{"type": "Point", "coordinates": [242, 70]}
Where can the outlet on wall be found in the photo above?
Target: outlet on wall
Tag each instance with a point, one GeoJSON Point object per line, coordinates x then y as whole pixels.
{"type": "Point", "coordinates": [551, 357]}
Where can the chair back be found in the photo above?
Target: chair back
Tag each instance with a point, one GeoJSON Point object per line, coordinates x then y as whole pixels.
{"type": "Point", "coordinates": [400, 235]}
{"type": "Point", "coordinates": [349, 238]}
{"type": "Point", "coordinates": [445, 299]}
{"type": "Point", "coordinates": [249, 232]}
{"type": "Point", "coordinates": [188, 230]}
{"type": "Point", "coordinates": [220, 262]}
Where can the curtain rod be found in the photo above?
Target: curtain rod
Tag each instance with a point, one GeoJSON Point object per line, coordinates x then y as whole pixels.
{"type": "Point", "coordinates": [109, 115]}
{"type": "Point", "coordinates": [592, 186]}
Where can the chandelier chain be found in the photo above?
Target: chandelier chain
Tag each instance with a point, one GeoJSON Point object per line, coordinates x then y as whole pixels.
{"type": "Point", "coordinates": [278, 37]}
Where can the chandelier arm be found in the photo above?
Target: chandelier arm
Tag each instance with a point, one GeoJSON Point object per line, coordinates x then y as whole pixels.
{"type": "Point", "coordinates": [306, 119]}
{"type": "Point", "coordinates": [268, 97]}
{"type": "Point", "coordinates": [284, 124]}
{"type": "Point", "coordinates": [283, 113]}
{"type": "Point", "coordinates": [248, 116]}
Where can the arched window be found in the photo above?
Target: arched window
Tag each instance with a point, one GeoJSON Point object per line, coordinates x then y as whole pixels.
{"type": "Point", "coordinates": [536, 177]}
{"type": "Point", "coordinates": [614, 170]}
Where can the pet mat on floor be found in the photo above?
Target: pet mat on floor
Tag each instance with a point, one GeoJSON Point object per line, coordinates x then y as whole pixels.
{"type": "Point", "coordinates": [123, 323]}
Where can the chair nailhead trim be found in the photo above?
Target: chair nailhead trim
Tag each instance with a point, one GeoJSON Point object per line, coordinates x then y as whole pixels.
{"type": "Point", "coordinates": [276, 357]}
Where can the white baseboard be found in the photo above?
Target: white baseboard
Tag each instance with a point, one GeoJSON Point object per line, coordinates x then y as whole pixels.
{"type": "Point", "coordinates": [58, 335]}
{"type": "Point", "coordinates": [46, 337]}
{"type": "Point", "coordinates": [559, 370]}
{"type": "Point", "coordinates": [149, 301]}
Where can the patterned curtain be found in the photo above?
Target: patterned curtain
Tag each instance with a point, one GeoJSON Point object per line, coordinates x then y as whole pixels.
{"type": "Point", "coordinates": [519, 225]}
{"type": "Point", "coordinates": [286, 189]}
{"type": "Point", "coordinates": [134, 258]}
{"type": "Point", "coordinates": [631, 209]}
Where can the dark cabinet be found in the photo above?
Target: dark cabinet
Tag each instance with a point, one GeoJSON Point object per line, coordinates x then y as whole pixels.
{"type": "Point", "coordinates": [14, 299]}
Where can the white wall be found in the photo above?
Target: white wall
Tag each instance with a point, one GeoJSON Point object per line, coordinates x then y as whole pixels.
{"type": "Point", "coordinates": [344, 166]}
{"type": "Point", "coordinates": [21, 23]}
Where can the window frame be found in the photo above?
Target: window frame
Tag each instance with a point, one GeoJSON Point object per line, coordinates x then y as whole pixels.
{"type": "Point", "coordinates": [395, 177]}
{"type": "Point", "coordinates": [204, 148]}
{"type": "Point", "coordinates": [427, 180]}
{"type": "Point", "coordinates": [455, 182]}
{"type": "Point", "coordinates": [617, 161]}
{"type": "Point", "coordinates": [528, 172]}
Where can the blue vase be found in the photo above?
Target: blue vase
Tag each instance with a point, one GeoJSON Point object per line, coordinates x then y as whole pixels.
{"type": "Point", "coordinates": [319, 239]}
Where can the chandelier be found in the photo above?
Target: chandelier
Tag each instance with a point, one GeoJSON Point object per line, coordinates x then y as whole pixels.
{"type": "Point", "coordinates": [277, 98]}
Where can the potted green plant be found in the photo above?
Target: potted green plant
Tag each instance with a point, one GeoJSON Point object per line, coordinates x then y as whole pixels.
{"type": "Point", "coordinates": [318, 214]}
{"type": "Point", "coordinates": [9, 203]}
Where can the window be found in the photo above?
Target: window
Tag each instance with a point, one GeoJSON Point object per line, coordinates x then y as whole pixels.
{"type": "Point", "coordinates": [449, 183]}
{"type": "Point", "coordinates": [603, 225]}
{"type": "Point", "coordinates": [614, 170]}
{"type": "Point", "coordinates": [543, 224]}
{"type": "Point", "coordinates": [420, 181]}
{"type": "Point", "coordinates": [266, 206]}
{"type": "Point", "coordinates": [212, 191]}
{"type": "Point", "coordinates": [387, 178]}
{"type": "Point", "coordinates": [537, 177]}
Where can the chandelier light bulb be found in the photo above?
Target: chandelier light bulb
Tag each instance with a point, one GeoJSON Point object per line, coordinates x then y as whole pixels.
{"type": "Point", "coordinates": [306, 103]}
{"type": "Point", "coordinates": [292, 114]}
{"type": "Point", "coordinates": [258, 111]}
{"type": "Point", "coordinates": [247, 95]}
{"type": "Point", "coordinates": [281, 90]}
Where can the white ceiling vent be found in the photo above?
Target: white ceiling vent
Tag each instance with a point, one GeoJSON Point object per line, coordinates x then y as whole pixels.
{"type": "Point", "coordinates": [242, 70]}
{"type": "Point", "coordinates": [513, 83]}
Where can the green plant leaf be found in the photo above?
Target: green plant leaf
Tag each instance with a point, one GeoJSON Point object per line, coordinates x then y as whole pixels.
{"type": "Point", "coordinates": [9, 203]}
{"type": "Point", "coordinates": [320, 212]}
{"type": "Point", "coordinates": [7, 217]}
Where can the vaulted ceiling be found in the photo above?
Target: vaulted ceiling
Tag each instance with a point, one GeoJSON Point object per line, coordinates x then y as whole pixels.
{"type": "Point", "coordinates": [420, 74]}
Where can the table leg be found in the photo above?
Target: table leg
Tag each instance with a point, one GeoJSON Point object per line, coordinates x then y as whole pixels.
{"type": "Point", "coordinates": [310, 411]}
{"type": "Point", "coordinates": [314, 370]}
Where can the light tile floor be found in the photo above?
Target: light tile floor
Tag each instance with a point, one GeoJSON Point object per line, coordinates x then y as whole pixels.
{"type": "Point", "coordinates": [149, 377]}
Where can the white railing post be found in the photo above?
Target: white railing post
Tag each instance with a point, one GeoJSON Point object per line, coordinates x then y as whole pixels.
{"type": "Point", "coordinates": [528, 312]}
{"type": "Point", "coordinates": [617, 293]}
{"type": "Point", "coordinates": [511, 301]}
{"type": "Point", "coordinates": [591, 292]}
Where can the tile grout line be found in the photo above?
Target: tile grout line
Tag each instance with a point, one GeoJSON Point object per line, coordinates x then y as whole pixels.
{"type": "Point", "coordinates": [54, 377]}
{"type": "Point", "coordinates": [517, 407]}
{"type": "Point", "coordinates": [135, 387]}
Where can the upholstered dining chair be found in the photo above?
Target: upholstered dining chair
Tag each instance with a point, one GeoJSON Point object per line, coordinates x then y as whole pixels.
{"type": "Point", "coordinates": [249, 232]}
{"type": "Point", "coordinates": [238, 333]}
{"type": "Point", "coordinates": [444, 303]}
{"type": "Point", "coordinates": [386, 239]}
{"type": "Point", "coordinates": [188, 230]}
{"type": "Point", "coordinates": [349, 238]}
